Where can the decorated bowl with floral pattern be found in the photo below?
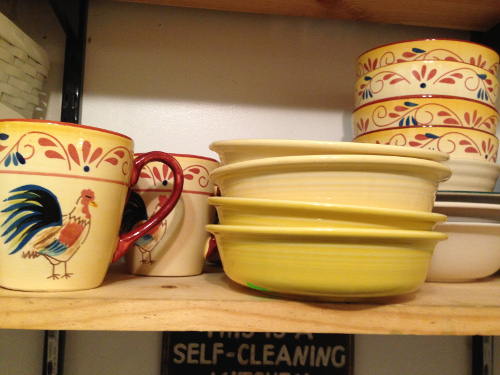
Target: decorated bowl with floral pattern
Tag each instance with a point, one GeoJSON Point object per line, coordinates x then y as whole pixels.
{"type": "Point", "coordinates": [449, 78]}
{"type": "Point", "coordinates": [458, 142]}
{"type": "Point", "coordinates": [428, 49]}
{"type": "Point", "coordinates": [409, 111]}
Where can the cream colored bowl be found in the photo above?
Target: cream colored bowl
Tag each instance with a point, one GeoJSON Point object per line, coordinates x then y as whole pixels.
{"type": "Point", "coordinates": [469, 212]}
{"type": "Point", "coordinates": [360, 180]}
{"type": "Point", "coordinates": [459, 143]}
{"type": "Point", "coordinates": [237, 150]}
{"type": "Point", "coordinates": [448, 78]}
{"type": "Point", "coordinates": [471, 175]}
{"type": "Point", "coordinates": [263, 212]}
{"type": "Point", "coordinates": [471, 252]}
{"type": "Point", "coordinates": [424, 111]}
{"type": "Point", "coordinates": [322, 263]}
{"type": "Point", "coordinates": [428, 49]}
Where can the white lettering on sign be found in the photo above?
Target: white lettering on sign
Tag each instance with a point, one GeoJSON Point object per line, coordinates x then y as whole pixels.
{"type": "Point", "coordinates": [258, 373]}
{"type": "Point", "coordinates": [266, 355]}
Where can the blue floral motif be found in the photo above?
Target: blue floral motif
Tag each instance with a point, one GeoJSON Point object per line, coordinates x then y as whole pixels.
{"type": "Point", "coordinates": [15, 158]}
{"type": "Point", "coordinates": [432, 136]}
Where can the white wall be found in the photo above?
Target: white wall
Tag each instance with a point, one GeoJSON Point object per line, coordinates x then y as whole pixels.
{"type": "Point", "coordinates": [177, 79]}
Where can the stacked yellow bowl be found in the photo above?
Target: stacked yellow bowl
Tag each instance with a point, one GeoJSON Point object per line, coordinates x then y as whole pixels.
{"type": "Point", "coordinates": [326, 220]}
{"type": "Point", "coordinates": [436, 94]}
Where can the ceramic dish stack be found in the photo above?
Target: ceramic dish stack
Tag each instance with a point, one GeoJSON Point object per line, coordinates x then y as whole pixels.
{"type": "Point", "coordinates": [433, 94]}
{"type": "Point", "coordinates": [326, 220]}
{"type": "Point", "coordinates": [24, 65]}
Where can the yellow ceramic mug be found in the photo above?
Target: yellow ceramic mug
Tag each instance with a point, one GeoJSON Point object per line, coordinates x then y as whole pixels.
{"type": "Point", "coordinates": [63, 189]}
{"type": "Point", "coordinates": [179, 245]}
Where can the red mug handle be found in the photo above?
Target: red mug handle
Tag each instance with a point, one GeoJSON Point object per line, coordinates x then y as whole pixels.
{"type": "Point", "coordinates": [128, 239]}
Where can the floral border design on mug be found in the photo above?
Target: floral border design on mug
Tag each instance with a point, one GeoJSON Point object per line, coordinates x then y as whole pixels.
{"type": "Point", "coordinates": [165, 174]}
{"type": "Point", "coordinates": [51, 147]}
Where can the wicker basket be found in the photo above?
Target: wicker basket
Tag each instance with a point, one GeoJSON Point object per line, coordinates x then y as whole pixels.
{"type": "Point", "coordinates": [24, 66]}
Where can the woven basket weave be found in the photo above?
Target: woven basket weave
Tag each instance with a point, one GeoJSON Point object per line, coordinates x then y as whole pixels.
{"type": "Point", "coordinates": [24, 66]}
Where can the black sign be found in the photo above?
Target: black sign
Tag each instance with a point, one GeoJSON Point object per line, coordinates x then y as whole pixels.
{"type": "Point", "coordinates": [256, 353]}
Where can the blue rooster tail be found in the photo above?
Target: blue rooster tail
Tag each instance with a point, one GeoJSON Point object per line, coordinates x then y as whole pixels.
{"type": "Point", "coordinates": [29, 210]}
{"type": "Point", "coordinates": [134, 212]}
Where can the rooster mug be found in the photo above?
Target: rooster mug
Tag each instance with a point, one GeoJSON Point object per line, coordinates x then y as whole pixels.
{"type": "Point", "coordinates": [178, 246]}
{"type": "Point", "coordinates": [63, 190]}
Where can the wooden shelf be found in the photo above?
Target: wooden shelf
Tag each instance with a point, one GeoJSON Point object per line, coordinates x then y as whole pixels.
{"type": "Point", "coordinates": [212, 302]}
{"type": "Point", "coordinates": [474, 15]}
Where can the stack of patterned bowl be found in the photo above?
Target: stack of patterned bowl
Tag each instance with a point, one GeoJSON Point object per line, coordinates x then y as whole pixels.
{"type": "Point", "coordinates": [326, 220]}
{"type": "Point", "coordinates": [433, 94]}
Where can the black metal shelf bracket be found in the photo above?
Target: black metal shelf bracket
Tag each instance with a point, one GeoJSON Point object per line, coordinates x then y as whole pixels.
{"type": "Point", "coordinates": [490, 38]}
{"type": "Point", "coordinates": [72, 15]}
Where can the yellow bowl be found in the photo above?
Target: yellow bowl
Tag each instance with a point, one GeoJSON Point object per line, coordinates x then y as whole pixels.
{"type": "Point", "coordinates": [272, 213]}
{"type": "Point", "coordinates": [428, 49]}
{"type": "Point", "coordinates": [424, 111]}
{"type": "Point", "coordinates": [237, 150]}
{"type": "Point", "coordinates": [448, 78]}
{"type": "Point", "coordinates": [322, 263]}
{"type": "Point", "coordinates": [361, 180]}
{"type": "Point", "coordinates": [459, 143]}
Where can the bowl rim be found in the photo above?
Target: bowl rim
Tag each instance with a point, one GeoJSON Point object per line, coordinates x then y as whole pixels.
{"type": "Point", "coordinates": [323, 208]}
{"type": "Point", "coordinates": [430, 40]}
{"type": "Point", "coordinates": [424, 96]}
{"type": "Point", "coordinates": [328, 147]}
{"type": "Point", "coordinates": [475, 162]}
{"type": "Point", "coordinates": [467, 224]}
{"type": "Point", "coordinates": [468, 206]}
{"type": "Point", "coordinates": [342, 162]}
{"type": "Point", "coordinates": [318, 232]}
{"type": "Point", "coordinates": [61, 125]}
{"type": "Point", "coordinates": [187, 156]}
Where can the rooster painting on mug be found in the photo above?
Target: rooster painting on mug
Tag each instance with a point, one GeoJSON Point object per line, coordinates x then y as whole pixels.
{"type": "Point", "coordinates": [32, 222]}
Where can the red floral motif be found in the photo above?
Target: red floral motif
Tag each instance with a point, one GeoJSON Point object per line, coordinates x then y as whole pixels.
{"type": "Point", "coordinates": [86, 148]}
{"type": "Point", "coordinates": [369, 65]}
{"type": "Point", "coordinates": [362, 125]}
{"type": "Point", "coordinates": [418, 54]}
{"type": "Point", "coordinates": [475, 121]}
{"type": "Point", "coordinates": [488, 148]}
{"type": "Point", "coordinates": [375, 84]}
{"type": "Point", "coordinates": [52, 148]}
{"type": "Point", "coordinates": [164, 174]}
{"type": "Point", "coordinates": [421, 76]}
{"type": "Point", "coordinates": [447, 143]}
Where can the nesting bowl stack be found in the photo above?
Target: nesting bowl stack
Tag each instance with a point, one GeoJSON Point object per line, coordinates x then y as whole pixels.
{"type": "Point", "coordinates": [440, 94]}
{"type": "Point", "coordinates": [326, 220]}
{"type": "Point", "coordinates": [437, 94]}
